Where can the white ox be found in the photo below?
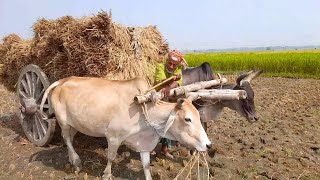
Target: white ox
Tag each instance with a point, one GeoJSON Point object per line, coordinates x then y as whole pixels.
{"type": "Point", "coordinates": [105, 108]}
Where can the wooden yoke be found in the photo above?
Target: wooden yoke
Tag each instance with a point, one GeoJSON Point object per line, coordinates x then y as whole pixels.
{"type": "Point", "coordinates": [179, 90]}
{"type": "Point", "coordinates": [217, 94]}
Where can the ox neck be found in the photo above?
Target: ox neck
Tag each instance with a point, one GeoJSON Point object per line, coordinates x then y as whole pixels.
{"type": "Point", "coordinates": [230, 104]}
{"type": "Point", "coordinates": [159, 114]}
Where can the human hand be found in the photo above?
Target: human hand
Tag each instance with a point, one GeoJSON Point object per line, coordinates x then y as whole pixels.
{"type": "Point", "coordinates": [184, 66]}
{"type": "Point", "coordinates": [166, 91]}
{"type": "Point", "coordinates": [177, 77]}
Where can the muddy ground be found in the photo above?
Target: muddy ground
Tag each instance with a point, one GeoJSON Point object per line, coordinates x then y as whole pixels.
{"type": "Point", "coordinates": [283, 144]}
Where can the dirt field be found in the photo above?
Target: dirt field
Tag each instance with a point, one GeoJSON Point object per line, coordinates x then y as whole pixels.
{"type": "Point", "coordinates": [283, 144]}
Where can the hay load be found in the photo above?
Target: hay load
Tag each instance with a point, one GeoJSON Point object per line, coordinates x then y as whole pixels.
{"type": "Point", "coordinates": [15, 53]}
{"type": "Point", "coordinates": [7, 42]}
{"type": "Point", "coordinates": [90, 46]}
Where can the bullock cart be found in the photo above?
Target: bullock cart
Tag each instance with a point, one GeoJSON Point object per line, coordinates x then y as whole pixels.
{"type": "Point", "coordinates": [39, 126]}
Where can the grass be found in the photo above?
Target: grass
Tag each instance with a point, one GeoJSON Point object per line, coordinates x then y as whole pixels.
{"type": "Point", "coordinates": [285, 64]}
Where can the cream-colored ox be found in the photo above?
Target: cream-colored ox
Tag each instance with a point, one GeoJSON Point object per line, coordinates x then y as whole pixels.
{"type": "Point", "coordinates": [105, 108]}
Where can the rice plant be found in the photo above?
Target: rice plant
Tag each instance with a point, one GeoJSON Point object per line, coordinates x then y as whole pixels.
{"type": "Point", "coordinates": [286, 63]}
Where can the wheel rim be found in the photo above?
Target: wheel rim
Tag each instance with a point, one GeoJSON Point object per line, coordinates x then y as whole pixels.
{"type": "Point", "coordinates": [31, 86]}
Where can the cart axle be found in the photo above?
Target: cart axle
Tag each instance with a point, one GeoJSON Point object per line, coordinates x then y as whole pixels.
{"type": "Point", "coordinates": [29, 106]}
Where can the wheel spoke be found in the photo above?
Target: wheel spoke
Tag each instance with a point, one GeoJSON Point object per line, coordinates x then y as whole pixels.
{"type": "Point", "coordinates": [45, 106]}
{"type": "Point", "coordinates": [33, 86]}
{"type": "Point", "coordinates": [29, 83]}
{"type": "Point", "coordinates": [34, 131]}
{"type": "Point", "coordinates": [21, 115]}
{"type": "Point", "coordinates": [42, 114]}
{"type": "Point", "coordinates": [42, 123]}
{"type": "Point", "coordinates": [38, 86]}
{"type": "Point", "coordinates": [25, 86]}
{"type": "Point", "coordinates": [27, 125]}
{"type": "Point", "coordinates": [21, 93]}
{"type": "Point", "coordinates": [40, 95]}
{"type": "Point", "coordinates": [39, 128]}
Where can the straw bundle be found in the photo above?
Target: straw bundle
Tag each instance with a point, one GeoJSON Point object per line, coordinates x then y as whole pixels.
{"type": "Point", "coordinates": [90, 46]}
{"type": "Point", "coordinates": [17, 54]}
{"type": "Point", "coordinates": [196, 168]}
{"type": "Point", "coordinates": [2, 53]}
{"type": "Point", "coordinates": [6, 45]}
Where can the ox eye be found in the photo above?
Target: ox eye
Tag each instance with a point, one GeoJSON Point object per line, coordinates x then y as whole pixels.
{"type": "Point", "coordinates": [187, 119]}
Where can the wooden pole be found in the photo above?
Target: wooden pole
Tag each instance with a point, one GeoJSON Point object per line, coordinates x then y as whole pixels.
{"type": "Point", "coordinates": [218, 94]}
{"type": "Point", "coordinates": [179, 90]}
{"type": "Point", "coordinates": [198, 85]}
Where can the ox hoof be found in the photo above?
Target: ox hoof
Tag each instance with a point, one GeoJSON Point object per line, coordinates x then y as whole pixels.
{"type": "Point", "coordinates": [76, 162]}
{"type": "Point", "coordinates": [107, 177]}
{"type": "Point", "coordinates": [78, 168]}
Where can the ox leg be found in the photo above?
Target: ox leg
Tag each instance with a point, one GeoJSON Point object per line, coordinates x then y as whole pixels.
{"type": "Point", "coordinates": [73, 132]}
{"type": "Point", "coordinates": [113, 146]}
{"type": "Point", "coordinates": [145, 159]}
{"type": "Point", "coordinates": [68, 133]}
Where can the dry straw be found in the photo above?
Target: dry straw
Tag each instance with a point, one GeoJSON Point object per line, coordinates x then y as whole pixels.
{"type": "Point", "coordinates": [90, 46]}
{"type": "Point", "coordinates": [196, 168]}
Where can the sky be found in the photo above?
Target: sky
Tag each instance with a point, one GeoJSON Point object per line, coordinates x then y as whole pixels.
{"type": "Point", "coordinates": [185, 24]}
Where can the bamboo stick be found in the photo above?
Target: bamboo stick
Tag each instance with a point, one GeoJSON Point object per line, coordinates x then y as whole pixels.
{"type": "Point", "coordinates": [161, 83]}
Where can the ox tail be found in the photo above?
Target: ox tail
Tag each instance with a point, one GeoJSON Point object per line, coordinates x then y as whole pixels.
{"type": "Point", "coordinates": [53, 85]}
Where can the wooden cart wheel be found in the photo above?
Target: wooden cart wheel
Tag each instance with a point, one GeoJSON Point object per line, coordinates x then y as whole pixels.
{"type": "Point", "coordinates": [31, 86]}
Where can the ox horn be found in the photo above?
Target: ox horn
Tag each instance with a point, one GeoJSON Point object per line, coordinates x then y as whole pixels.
{"type": "Point", "coordinates": [192, 96]}
{"type": "Point", "coordinates": [251, 75]}
{"type": "Point", "coordinates": [242, 76]}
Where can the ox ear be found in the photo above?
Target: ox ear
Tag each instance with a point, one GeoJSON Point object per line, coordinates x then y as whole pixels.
{"type": "Point", "coordinates": [169, 122]}
{"type": "Point", "coordinates": [180, 102]}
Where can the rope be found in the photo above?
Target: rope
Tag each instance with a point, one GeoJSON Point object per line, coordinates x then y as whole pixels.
{"type": "Point", "coordinates": [146, 115]}
{"type": "Point", "coordinates": [220, 78]}
{"type": "Point", "coordinates": [145, 111]}
{"type": "Point", "coordinates": [205, 105]}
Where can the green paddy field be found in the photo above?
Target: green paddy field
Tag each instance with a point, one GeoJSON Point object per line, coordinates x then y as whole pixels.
{"type": "Point", "coordinates": [274, 63]}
